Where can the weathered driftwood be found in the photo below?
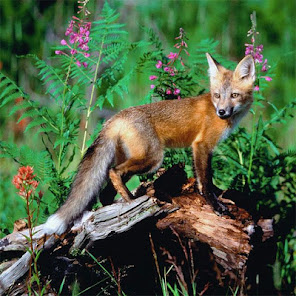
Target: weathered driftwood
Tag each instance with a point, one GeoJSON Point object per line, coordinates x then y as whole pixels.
{"type": "Point", "coordinates": [188, 215]}
{"type": "Point", "coordinates": [118, 218]}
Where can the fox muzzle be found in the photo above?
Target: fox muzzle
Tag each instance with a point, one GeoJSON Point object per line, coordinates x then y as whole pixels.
{"type": "Point", "coordinates": [224, 113]}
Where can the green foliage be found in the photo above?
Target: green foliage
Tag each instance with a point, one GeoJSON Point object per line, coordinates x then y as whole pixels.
{"type": "Point", "coordinates": [66, 86]}
{"type": "Point", "coordinates": [108, 276]}
{"type": "Point", "coordinates": [285, 265]}
{"type": "Point", "coordinates": [9, 90]}
{"type": "Point", "coordinates": [249, 161]}
{"type": "Point", "coordinates": [7, 212]}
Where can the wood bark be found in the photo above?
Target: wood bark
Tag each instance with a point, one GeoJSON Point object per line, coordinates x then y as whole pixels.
{"type": "Point", "coordinates": [174, 206]}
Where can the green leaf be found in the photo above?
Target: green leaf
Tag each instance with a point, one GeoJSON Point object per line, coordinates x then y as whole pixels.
{"type": "Point", "coordinates": [37, 122]}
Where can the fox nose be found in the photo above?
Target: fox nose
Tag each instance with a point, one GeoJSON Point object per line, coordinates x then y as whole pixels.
{"type": "Point", "coordinates": [221, 112]}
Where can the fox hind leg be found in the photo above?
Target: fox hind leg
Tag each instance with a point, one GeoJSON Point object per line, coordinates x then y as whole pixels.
{"type": "Point", "coordinates": [119, 185]}
{"type": "Point", "coordinates": [108, 194]}
{"type": "Point", "coordinates": [138, 151]}
{"type": "Point", "coordinates": [129, 168]}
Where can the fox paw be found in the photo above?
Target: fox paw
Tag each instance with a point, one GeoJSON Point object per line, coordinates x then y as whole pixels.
{"type": "Point", "coordinates": [221, 209]}
{"type": "Point", "coordinates": [218, 206]}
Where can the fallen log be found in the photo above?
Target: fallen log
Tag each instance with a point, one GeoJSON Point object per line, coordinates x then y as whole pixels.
{"type": "Point", "coordinates": [105, 222]}
{"type": "Point", "coordinates": [179, 214]}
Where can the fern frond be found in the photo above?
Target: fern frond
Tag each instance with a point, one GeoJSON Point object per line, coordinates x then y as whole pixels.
{"type": "Point", "coordinates": [51, 77]}
{"type": "Point", "coordinates": [9, 150]}
{"type": "Point", "coordinates": [19, 106]}
{"type": "Point", "coordinates": [35, 123]}
{"type": "Point", "coordinates": [83, 75]}
{"type": "Point", "coordinates": [32, 109]}
{"type": "Point", "coordinates": [153, 38]}
{"type": "Point", "coordinates": [9, 91]}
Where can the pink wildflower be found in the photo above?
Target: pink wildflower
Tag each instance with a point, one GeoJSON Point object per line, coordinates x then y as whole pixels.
{"type": "Point", "coordinates": [267, 78]}
{"type": "Point", "coordinates": [158, 65]}
{"type": "Point", "coordinates": [249, 49]}
{"type": "Point", "coordinates": [83, 8]}
{"type": "Point", "coordinates": [256, 52]}
{"type": "Point", "coordinates": [78, 63]}
{"type": "Point", "coordinates": [153, 77]}
{"type": "Point", "coordinates": [172, 55]}
{"type": "Point", "coordinates": [78, 31]}
{"type": "Point", "coordinates": [58, 52]}
{"type": "Point", "coordinates": [176, 91]}
{"type": "Point", "coordinates": [152, 86]}
{"type": "Point", "coordinates": [260, 48]}
{"type": "Point", "coordinates": [258, 56]}
{"type": "Point", "coordinates": [84, 64]}
{"type": "Point", "coordinates": [168, 92]}
{"type": "Point", "coordinates": [264, 66]}
{"type": "Point", "coordinates": [70, 28]}
{"type": "Point", "coordinates": [256, 88]}
{"type": "Point", "coordinates": [167, 69]}
{"type": "Point", "coordinates": [63, 42]}
{"type": "Point", "coordinates": [83, 46]}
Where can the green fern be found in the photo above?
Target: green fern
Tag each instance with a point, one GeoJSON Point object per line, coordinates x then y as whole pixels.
{"type": "Point", "coordinates": [66, 84]}
{"type": "Point", "coordinates": [9, 91]}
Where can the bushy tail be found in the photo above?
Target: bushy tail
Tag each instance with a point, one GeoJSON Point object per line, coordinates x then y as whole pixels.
{"type": "Point", "coordinates": [91, 174]}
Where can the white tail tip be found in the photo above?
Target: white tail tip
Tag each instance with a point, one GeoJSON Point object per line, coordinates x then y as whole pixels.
{"type": "Point", "coordinates": [55, 224]}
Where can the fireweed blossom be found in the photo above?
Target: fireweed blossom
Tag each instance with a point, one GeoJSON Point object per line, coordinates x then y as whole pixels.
{"type": "Point", "coordinates": [158, 65]}
{"type": "Point", "coordinates": [176, 91]}
{"type": "Point", "coordinates": [78, 32]}
{"type": "Point", "coordinates": [168, 70]}
{"type": "Point", "coordinates": [172, 55]}
{"type": "Point", "coordinates": [153, 77]}
{"type": "Point", "coordinates": [256, 51]}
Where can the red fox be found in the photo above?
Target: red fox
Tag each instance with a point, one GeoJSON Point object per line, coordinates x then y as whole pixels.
{"type": "Point", "coordinates": [132, 142]}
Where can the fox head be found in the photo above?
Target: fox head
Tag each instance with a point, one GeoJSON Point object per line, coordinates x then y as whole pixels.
{"type": "Point", "coordinates": [231, 91]}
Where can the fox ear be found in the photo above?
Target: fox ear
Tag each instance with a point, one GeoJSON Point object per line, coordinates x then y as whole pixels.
{"type": "Point", "coordinates": [213, 65]}
{"type": "Point", "coordinates": [246, 68]}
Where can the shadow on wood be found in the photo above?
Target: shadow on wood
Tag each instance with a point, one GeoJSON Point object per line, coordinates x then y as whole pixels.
{"type": "Point", "coordinates": [168, 232]}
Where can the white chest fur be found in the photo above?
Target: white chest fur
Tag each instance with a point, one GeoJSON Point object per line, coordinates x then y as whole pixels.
{"type": "Point", "coordinates": [226, 134]}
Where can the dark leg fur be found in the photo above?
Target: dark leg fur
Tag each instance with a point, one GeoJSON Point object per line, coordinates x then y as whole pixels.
{"type": "Point", "coordinates": [203, 167]}
{"type": "Point", "coordinates": [108, 194]}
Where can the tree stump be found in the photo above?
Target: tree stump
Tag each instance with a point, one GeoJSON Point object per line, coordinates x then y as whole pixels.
{"type": "Point", "coordinates": [168, 225]}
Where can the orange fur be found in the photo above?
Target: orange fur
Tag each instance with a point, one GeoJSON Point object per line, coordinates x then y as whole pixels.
{"type": "Point", "coordinates": [134, 139]}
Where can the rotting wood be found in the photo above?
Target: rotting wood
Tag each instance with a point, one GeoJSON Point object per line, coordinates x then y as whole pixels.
{"type": "Point", "coordinates": [118, 218]}
{"type": "Point", "coordinates": [229, 238]}
{"type": "Point", "coordinates": [105, 222]}
{"type": "Point", "coordinates": [188, 215]}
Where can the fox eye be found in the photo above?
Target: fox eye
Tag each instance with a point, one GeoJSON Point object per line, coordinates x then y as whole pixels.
{"type": "Point", "coordinates": [234, 95]}
{"type": "Point", "coordinates": [216, 95]}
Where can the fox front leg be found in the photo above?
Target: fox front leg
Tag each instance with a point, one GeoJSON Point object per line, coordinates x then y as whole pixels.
{"type": "Point", "coordinates": [202, 155]}
{"type": "Point", "coordinates": [202, 162]}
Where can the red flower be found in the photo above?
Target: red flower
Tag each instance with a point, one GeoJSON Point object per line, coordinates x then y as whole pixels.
{"type": "Point", "coordinates": [24, 181]}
